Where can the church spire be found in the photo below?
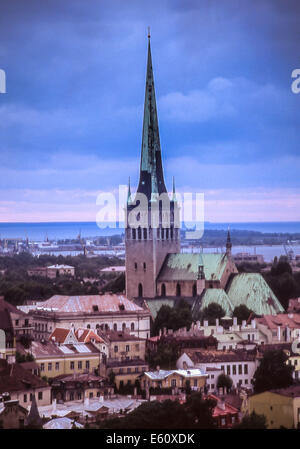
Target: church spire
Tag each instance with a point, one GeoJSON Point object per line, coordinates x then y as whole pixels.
{"type": "Point", "coordinates": [228, 243]}
{"type": "Point", "coordinates": [151, 172]}
{"type": "Point", "coordinates": [174, 194]}
{"type": "Point", "coordinates": [129, 200]}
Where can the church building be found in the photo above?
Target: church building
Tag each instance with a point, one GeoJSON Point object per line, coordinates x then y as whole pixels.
{"type": "Point", "coordinates": [157, 272]}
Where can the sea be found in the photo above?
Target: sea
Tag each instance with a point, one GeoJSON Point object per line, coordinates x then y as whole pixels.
{"type": "Point", "coordinates": [38, 232]}
{"type": "Point", "coordinates": [70, 230]}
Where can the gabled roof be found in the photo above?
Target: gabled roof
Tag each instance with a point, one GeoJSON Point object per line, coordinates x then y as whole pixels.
{"type": "Point", "coordinates": [59, 335]}
{"type": "Point", "coordinates": [185, 266]}
{"type": "Point", "coordinates": [86, 335]}
{"type": "Point", "coordinates": [163, 374]}
{"type": "Point", "coordinates": [15, 378]}
{"type": "Point", "coordinates": [291, 320]}
{"type": "Point", "coordinates": [252, 290]}
{"type": "Point", "coordinates": [4, 305]}
{"type": "Point", "coordinates": [213, 295]}
{"type": "Point", "coordinates": [89, 304]}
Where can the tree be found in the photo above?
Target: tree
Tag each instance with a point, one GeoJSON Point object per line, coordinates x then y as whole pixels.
{"type": "Point", "coordinates": [165, 356]}
{"type": "Point", "coordinates": [173, 317]}
{"type": "Point", "coordinates": [253, 421]}
{"type": "Point", "coordinates": [273, 372]}
{"type": "Point", "coordinates": [212, 312]}
{"type": "Point", "coordinates": [224, 381]}
{"type": "Point", "coordinates": [196, 413]}
{"type": "Point", "coordinates": [242, 313]}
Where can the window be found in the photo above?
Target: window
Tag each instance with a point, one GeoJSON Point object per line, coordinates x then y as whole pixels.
{"type": "Point", "coordinates": [195, 383]}
{"type": "Point", "coordinates": [71, 396]}
{"type": "Point", "coordinates": [132, 326]}
{"type": "Point", "coordinates": [223, 421]}
{"type": "Point", "coordinates": [56, 366]}
{"type": "Point", "coordinates": [144, 266]}
{"type": "Point", "coordinates": [233, 369]}
{"type": "Point", "coordinates": [123, 327]}
{"type": "Point", "coordinates": [228, 370]}
{"type": "Point", "coordinates": [194, 290]}
{"type": "Point", "coordinates": [127, 348]}
{"type": "Point", "coordinates": [145, 233]}
{"type": "Point", "coordinates": [178, 290]}
{"type": "Point", "coordinates": [245, 369]}
{"type": "Point", "coordinates": [116, 348]}
{"type": "Point", "coordinates": [49, 366]}
{"type": "Point", "coordinates": [42, 366]}
{"type": "Point", "coordinates": [25, 397]}
{"type": "Point", "coordinates": [88, 326]}
{"type": "Point", "coordinates": [80, 365]}
{"type": "Point", "coordinates": [136, 369]}
{"type": "Point", "coordinates": [212, 386]}
{"type": "Point", "coordinates": [140, 291]}
{"type": "Point", "coordinates": [72, 365]}
{"type": "Point", "coordinates": [91, 395]}
{"type": "Point", "coordinates": [246, 381]}
{"type": "Point", "coordinates": [87, 364]}
{"type": "Point", "coordinates": [128, 370]}
{"type": "Point", "coordinates": [79, 395]}
{"type": "Point", "coordinates": [17, 322]}
{"type": "Point", "coordinates": [115, 327]}
{"type": "Point", "coordinates": [163, 290]}
{"type": "Point", "coordinates": [240, 369]}
{"type": "Point", "coordinates": [134, 234]}
{"type": "Point", "coordinates": [135, 266]}
{"type": "Point", "coordinates": [173, 383]}
{"type": "Point", "coordinates": [137, 347]}
{"type": "Point", "coordinates": [31, 397]}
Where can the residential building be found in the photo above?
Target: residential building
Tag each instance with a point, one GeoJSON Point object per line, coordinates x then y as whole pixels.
{"type": "Point", "coordinates": [80, 386]}
{"type": "Point", "coordinates": [280, 328]}
{"type": "Point", "coordinates": [54, 359]}
{"type": "Point", "coordinates": [224, 414]}
{"type": "Point", "coordinates": [12, 414]}
{"type": "Point", "coordinates": [21, 385]}
{"type": "Point", "coordinates": [52, 271]}
{"type": "Point", "coordinates": [105, 312]}
{"type": "Point", "coordinates": [239, 365]}
{"type": "Point", "coordinates": [248, 258]}
{"type": "Point", "coordinates": [177, 380]}
{"type": "Point", "coordinates": [280, 407]}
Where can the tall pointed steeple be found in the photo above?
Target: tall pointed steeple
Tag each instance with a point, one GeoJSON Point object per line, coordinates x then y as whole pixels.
{"type": "Point", "coordinates": [129, 200]}
{"type": "Point", "coordinates": [151, 180]}
{"type": "Point", "coordinates": [228, 243]}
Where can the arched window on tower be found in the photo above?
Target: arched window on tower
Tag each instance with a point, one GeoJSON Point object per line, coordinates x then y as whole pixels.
{"type": "Point", "coordinates": [134, 233]}
{"type": "Point", "coordinates": [178, 290]}
{"type": "Point", "coordinates": [139, 233]}
{"type": "Point", "coordinates": [163, 290]}
{"type": "Point", "coordinates": [115, 327]}
{"type": "Point", "coordinates": [140, 291]}
{"type": "Point", "coordinates": [132, 327]}
{"type": "Point", "coordinates": [194, 290]}
{"type": "Point", "coordinates": [144, 266]}
{"type": "Point", "coordinates": [123, 327]}
{"type": "Point", "coordinates": [145, 233]}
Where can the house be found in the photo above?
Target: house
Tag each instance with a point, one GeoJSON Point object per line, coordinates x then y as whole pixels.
{"type": "Point", "coordinates": [239, 365]}
{"type": "Point", "coordinates": [284, 327]}
{"type": "Point", "coordinates": [177, 380]}
{"type": "Point", "coordinates": [281, 407]}
{"type": "Point", "coordinates": [56, 359]}
{"type": "Point", "coordinates": [80, 386]}
{"type": "Point", "coordinates": [20, 384]}
{"type": "Point", "coordinates": [14, 325]}
{"type": "Point", "coordinates": [12, 414]}
{"type": "Point", "coordinates": [105, 312]}
{"type": "Point", "coordinates": [54, 271]}
{"type": "Point", "coordinates": [224, 414]}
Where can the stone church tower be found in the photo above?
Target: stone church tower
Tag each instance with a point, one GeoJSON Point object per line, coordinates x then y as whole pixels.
{"type": "Point", "coordinates": [152, 218]}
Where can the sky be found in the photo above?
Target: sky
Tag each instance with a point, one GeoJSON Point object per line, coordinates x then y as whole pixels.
{"type": "Point", "coordinates": [71, 119]}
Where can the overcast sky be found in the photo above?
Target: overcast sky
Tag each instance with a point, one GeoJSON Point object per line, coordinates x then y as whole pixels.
{"type": "Point", "coordinates": [71, 120]}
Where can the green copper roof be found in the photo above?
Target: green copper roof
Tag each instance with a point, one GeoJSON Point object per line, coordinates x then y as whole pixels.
{"type": "Point", "coordinates": [151, 172]}
{"type": "Point", "coordinates": [184, 267]}
{"type": "Point", "coordinates": [155, 304]}
{"type": "Point", "coordinates": [252, 290]}
{"type": "Point", "coordinates": [214, 265]}
{"type": "Point", "coordinates": [219, 296]}
{"type": "Point", "coordinates": [180, 267]}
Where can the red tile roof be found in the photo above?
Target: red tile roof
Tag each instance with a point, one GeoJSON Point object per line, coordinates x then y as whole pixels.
{"type": "Point", "coordinates": [291, 320]}
{"type": "Point", "coordinates": [59, 335]}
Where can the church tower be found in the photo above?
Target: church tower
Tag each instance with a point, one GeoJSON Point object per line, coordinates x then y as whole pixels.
{"type": "Point", "coordinates": [152, 218]}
